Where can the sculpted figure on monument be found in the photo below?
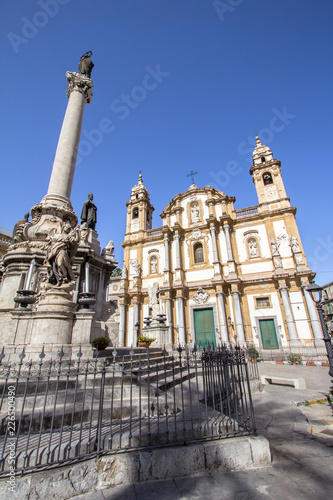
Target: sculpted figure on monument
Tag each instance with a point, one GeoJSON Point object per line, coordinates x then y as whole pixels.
{"type": "Point", "coordinates": [86, 65]}
{"type": "Point", "coordinates": [253, 248]}
{"type": "Point", "coordinates": [294, 244]}
{"type": "Point", "coordinates": [89, 213]}
{"type": "Point", "coordinates": [154, 294]}
{"type": "Point", "coordinates": [124, 272]}
{"type": "Point", "coordinates": [274, 247]}
{"type": "Point", "coordinates": [60, 252]}
{"type": "Point", "coordinates": [195, 214]}
{"type": "Point", "coordinates": [154, 298]}
{"type": "Point", "coordinates": [18, 228]}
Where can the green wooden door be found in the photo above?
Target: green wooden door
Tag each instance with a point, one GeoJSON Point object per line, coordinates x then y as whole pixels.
{"type": "Point", "coordinates": [268, 334]}
{"type": "Point", "coordinates": [204, 327]}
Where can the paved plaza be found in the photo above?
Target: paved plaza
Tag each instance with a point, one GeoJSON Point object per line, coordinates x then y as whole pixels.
{"type": "Point", "coordinates": [301, 441]}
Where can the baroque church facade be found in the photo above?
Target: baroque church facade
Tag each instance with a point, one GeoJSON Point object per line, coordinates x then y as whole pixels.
{"type": "Point", "coordinates": [219, 275]}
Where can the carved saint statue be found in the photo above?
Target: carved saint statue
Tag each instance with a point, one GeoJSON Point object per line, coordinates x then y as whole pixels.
{"type": "Point", "coordinates": [18, 228]}
{"type": "Point", "coordinates": [195, 214]}
{"type": "Point", "coordinates": [89, 213]}
{"type": "Point", "coordinates": [294, 244]}
{"type": "Point", "coordinates": [154, 298]}
{"type": "Point", "coordinates": [86, 65]}
{"type": "Point", "coordinates": [274, 247]}
{"type": "Point", "coordinates": [153, 293]}
{"type": "Point", "coordinates": [60, 252]}
{"type": "Point", "coordinates": [153, 265]}
{"type": "Point", "coordinates": [124, 272]}
{"type": "Point", "coordinates": [136, 268]}
{"type": "Point", "coordinates": [253, 248]}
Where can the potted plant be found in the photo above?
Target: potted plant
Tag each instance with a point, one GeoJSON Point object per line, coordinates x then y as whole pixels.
{"type": "Point", "coordinates": [253, 353]}
{"type": "Point", "coordinates": [101, 343]}
{"type": "Point", "coordinates": [144, 341]}
{"type": "Point", "coordinates": [310, 362]}
{"type": "Point", "coordinates": [295, 359]}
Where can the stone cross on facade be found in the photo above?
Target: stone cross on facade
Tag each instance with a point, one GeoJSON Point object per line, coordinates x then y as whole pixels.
{"type": "Point", "coordinates": [192, 174]}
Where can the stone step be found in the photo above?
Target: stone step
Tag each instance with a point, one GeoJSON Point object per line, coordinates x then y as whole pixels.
{"type": "Point", "coordinates": [119, 408]}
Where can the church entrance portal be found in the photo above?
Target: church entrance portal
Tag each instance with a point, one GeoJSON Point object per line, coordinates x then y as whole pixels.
{"type": "Point", "coordinates": [268, 334]}
{"type": "Point", "coordinates": [204, 327]}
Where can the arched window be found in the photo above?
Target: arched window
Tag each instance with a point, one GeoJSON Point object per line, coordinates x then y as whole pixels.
{"type": "Point", "coordinates": [263, 159]}
{"type": "Point", "coordinates": [198, 253]}
{"type": "Point", "coordinates": [135, 213]}
{"type": "Point", "coordinates": [267, 178]}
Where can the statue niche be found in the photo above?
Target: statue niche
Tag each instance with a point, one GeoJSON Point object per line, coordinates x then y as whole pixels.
{"type": "Point", "coordinates": [195, 213]}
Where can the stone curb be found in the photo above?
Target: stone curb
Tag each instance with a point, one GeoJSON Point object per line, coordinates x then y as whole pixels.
{"type": "Point", "coordinates": [124, 468]}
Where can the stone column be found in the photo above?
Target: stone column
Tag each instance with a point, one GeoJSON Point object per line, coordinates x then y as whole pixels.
{"type": "Point", "coordinates": [238, 317]}
{"type": "Point", "coordinates": [289, 316]}
{"type": "Point", "coordinates": [135, 320]}
{"type": "Point", "coordinates": [215, 249]}
{"type": "Point", "coordinates": [228, 240]}
{"type": "Point", "coordinates": [180, 320]}
{"type": "Point", "coordinates": [122, 308]}
{"type": "Point", "coordinates": [60, 186]}
{"type": "Point", "coordinates": [169, 317]}
{"type": "Point", "coordinates": [166, 252]}
{"type": "Point", "coordinates": [317, 331]}
{"type": "Point", "coordinates": [177, 239]}
{"type": "Point", "coordinates": [223, 318]}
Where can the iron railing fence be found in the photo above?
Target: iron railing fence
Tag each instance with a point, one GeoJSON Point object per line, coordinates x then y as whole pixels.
{"type": "Point", "coordinates": [54, 412]}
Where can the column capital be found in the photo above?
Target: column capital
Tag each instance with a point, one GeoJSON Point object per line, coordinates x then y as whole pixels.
{"type": "Point", "coordinates": [79, 82]}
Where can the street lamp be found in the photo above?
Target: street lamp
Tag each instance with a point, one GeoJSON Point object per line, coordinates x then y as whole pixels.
{"type": "Point", "coordinates": [313, 288]}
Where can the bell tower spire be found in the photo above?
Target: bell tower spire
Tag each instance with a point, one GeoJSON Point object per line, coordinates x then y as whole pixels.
{"type": "Point", "coordinates": [267, 178]}
{"type": "Point", "coordinates": [139, 209]}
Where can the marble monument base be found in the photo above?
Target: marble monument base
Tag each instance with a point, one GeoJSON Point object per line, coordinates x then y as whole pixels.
{"type": "Point", "coordinates": [54, 324]}
{"type": "Point", "coordinates": [160, 334]}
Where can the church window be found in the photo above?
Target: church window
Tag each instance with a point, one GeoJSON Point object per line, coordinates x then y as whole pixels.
{"type": "Point", "coordinates": [262, 302]}
{"type": "Point", "coordinates": [267, 178]}
{"type": "Point", "coordinates": [198, 253]}
{"type": "Point", "coordinates": [263, 159]}
{"type": "Point", "coordinates": [135, 213]}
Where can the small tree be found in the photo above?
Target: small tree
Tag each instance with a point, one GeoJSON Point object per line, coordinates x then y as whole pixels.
{"type": "Point", "coordinates": [116, 272]}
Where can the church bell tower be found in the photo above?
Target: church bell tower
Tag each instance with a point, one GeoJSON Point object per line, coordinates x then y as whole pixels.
{"type": "Point", "coordinates": [139, 210]}
{"type": "Point", "coordinates": [266, 174]}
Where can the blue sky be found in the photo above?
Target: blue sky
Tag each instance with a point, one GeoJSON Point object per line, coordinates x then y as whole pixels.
{"type": "Point", "coordinates": [225, 70]}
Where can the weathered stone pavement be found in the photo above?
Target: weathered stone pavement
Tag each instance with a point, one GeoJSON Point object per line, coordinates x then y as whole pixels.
{"type": "Point", "coordinates": [301, 441]}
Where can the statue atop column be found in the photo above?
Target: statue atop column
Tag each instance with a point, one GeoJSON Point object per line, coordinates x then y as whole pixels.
{"type": "Point", "coordinates": [86, 65]}
{"type": "Point", "coordinates": [89, 213]}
